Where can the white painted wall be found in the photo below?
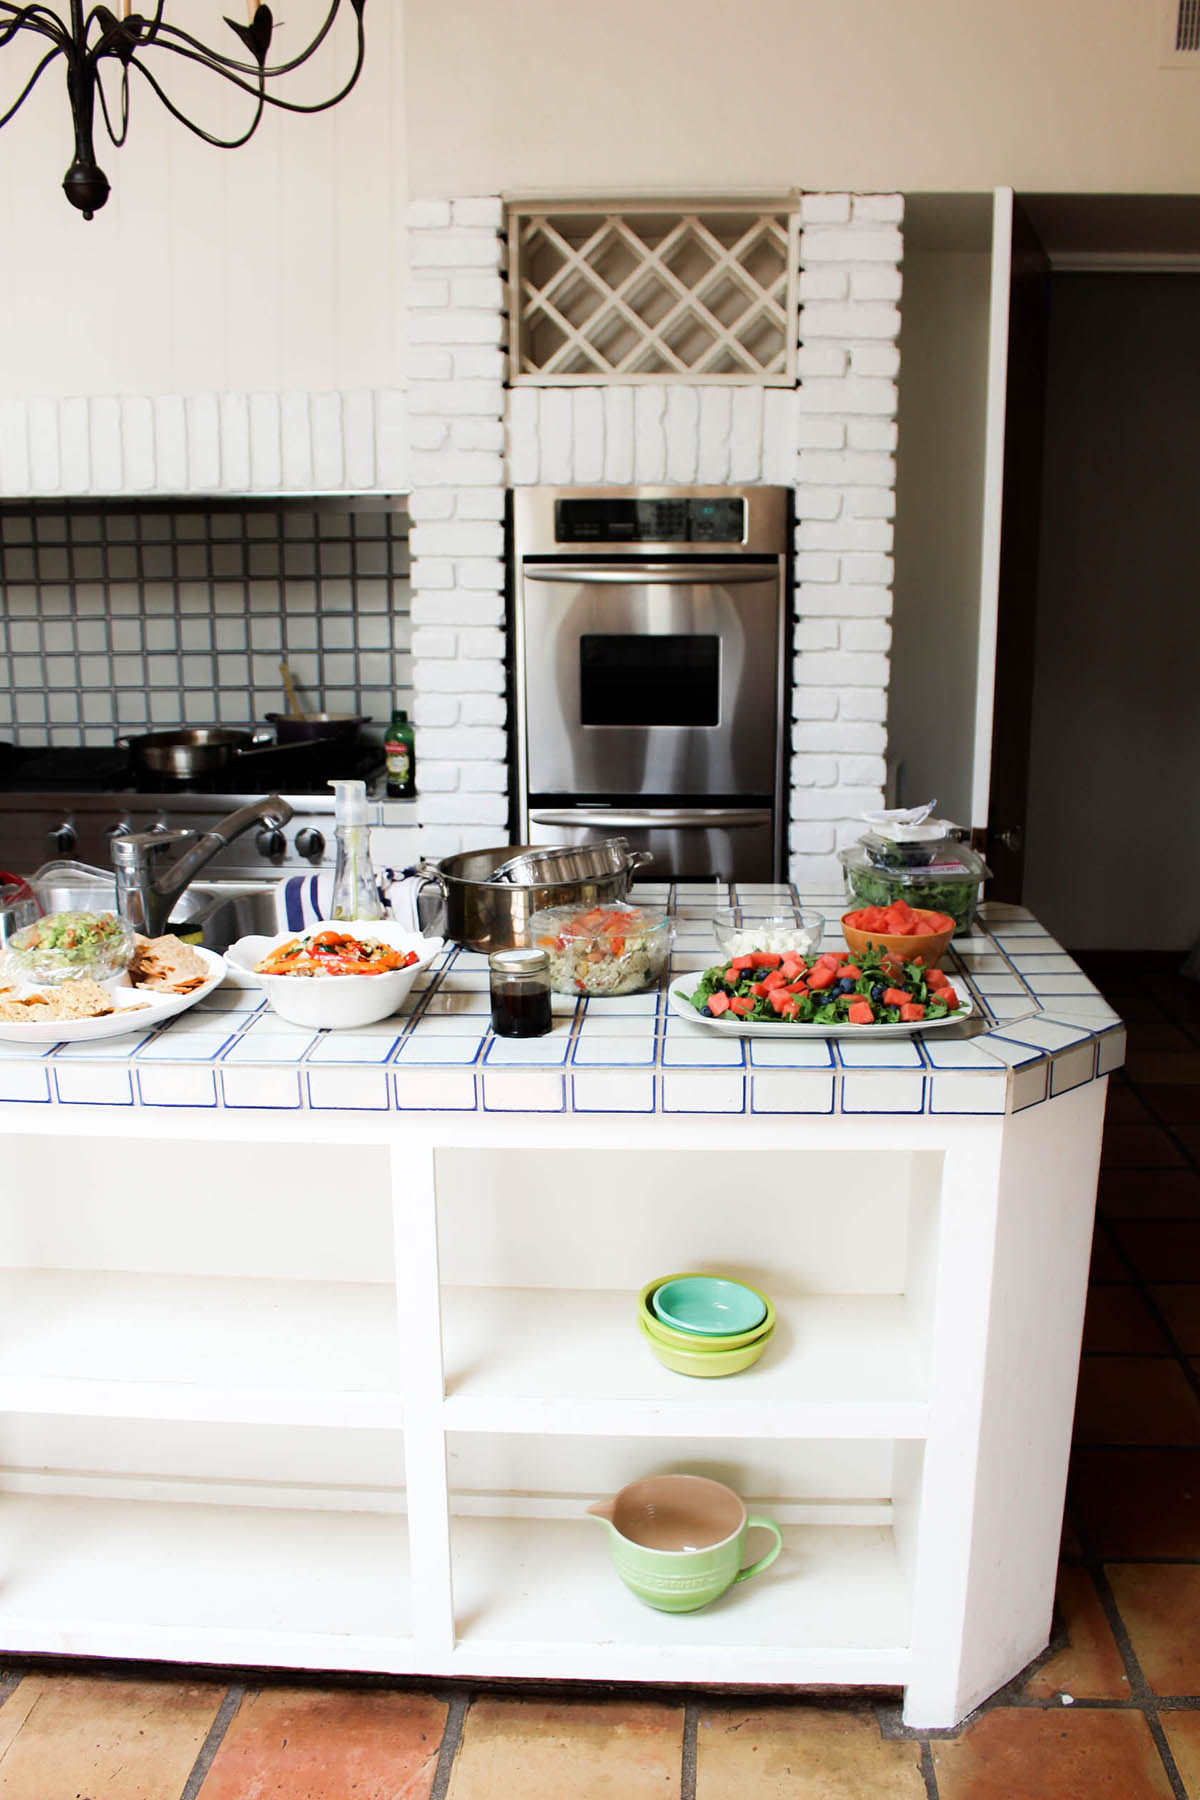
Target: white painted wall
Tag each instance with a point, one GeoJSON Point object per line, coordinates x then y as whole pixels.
{"type": "Point", "coordinates": [939, 499]}
{"type": "Point", "coordinates": [1113, 855]}
{"type": "Point", "coordinates": [697, 95]}
{"type": "Point", "coordinates": [275, 267]}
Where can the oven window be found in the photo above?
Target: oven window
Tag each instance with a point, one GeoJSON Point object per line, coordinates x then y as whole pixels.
{"type": "Point", "coordinates": [638, 679]}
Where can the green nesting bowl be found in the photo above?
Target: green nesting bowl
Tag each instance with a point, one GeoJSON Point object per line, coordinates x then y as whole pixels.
{"type": "Point", "coordinates": [706, 1363]}
{"type": "Point", "coordinates": [654, 1328]}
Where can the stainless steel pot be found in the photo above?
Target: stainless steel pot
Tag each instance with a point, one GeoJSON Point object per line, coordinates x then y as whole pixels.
{"type": "Point", "coordinates": [191, 751]}
{"type": "Point", "coordinates": [572, 862]}
{"type": "Point", "coordinates": [487, 915]}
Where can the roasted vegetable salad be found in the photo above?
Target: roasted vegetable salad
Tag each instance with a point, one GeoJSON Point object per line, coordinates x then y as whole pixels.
{"type": "Point", "coordinates": [830, 989]}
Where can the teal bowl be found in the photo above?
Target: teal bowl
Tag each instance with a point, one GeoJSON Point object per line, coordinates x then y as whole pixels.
{"type": "Point", "coordinates": [708, 1305]}
{"type": "Point", "coordinates": [691, 1340]}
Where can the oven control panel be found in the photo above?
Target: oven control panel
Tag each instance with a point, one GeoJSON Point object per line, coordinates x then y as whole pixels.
{"type": "Point", "coordinates": [623, 520]}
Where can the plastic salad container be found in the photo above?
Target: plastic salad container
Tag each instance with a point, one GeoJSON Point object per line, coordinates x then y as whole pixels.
{"type": "Point", "coordinates": [914, 857]}
{"type": "Point", "coordinates": [602, 950]}
{"type": "Point", "coordinates": [65, 945]}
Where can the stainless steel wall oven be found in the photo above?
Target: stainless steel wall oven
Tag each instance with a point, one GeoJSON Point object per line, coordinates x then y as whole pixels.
{"type": "Point", "coordinates": [650, 660]}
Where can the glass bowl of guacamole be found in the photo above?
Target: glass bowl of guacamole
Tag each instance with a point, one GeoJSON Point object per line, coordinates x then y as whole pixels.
{"type": "Point", "coordinates": [65, 945]}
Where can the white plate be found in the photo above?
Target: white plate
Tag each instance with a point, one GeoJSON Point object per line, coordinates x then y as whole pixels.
{"type": "Point", "coordinates": [130, 1015]}
{"type": "Point", "coordinates": [683, 1009]}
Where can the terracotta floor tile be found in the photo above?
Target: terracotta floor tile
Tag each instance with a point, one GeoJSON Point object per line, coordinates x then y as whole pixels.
{"type": "Point", "coordinates": [1138, 1147]}
{"type": "Point", "coordinates": [1189, 1137]}
{"type": "Point", "coordinates": [63, 1737]}
{"type": "Point", "coordinates": [1179, 1303]}
{"type": "Point", "coordinates": [1173, 1096]}
{"type": "Point", "coordinates": [1135, 1400]}
{"type": "Point", "coordinates": [1119, 1319]}
{"type": "Point", "coordinates": [1150, 1194]}
{"type": "Point", "coordinates": [1106, 1265]}
{"type": "Point", "coordinates": [802, 1753]}
{"type": "Point", "coordinates": [1130, 1503]}
{"type": "Point", "coordinates": [1012, 1754]}
{"type": "Point", "coordinates": [1183, 1735]}
{"type": "Point", "coordinates": [1160, 1606]}
{"type": "Point", "coordinates": [1150, 1038]}
{"type": "Point", "coordinates": [1124, 1105]}
{"type": "Point", "coordinates": [328, 1744]}
{"type": "Point", "coordinates": [547, 1750]}
{"type": "Point", "coordinates": [1174, 1061]}
{"type": "Point", "coordinates": [1162, 1249]}
{"type": "Point", "coordinates": [1089, 1666]}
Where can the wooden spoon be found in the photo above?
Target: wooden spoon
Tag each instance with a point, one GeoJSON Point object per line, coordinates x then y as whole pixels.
{"type": "Point", "coordinates": [293, 705]}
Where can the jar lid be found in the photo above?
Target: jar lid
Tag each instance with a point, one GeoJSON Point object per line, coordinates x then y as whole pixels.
{"type": "Point", "coordinates": [519, 962]}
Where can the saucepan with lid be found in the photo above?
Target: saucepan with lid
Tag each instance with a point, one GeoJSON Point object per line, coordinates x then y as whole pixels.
{"type": "Point", "coordinates": [486, 915]}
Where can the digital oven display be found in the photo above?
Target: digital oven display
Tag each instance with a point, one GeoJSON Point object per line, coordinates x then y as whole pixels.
{"type": "Point", "coordinates": [625, 521]}
{"type": "Point", "coordinates": [639, 679]}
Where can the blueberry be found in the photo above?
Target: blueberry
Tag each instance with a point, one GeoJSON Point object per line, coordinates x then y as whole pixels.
{"type": "Point", "coordinates": [707, 1010]}
{"type": "Point", "coordinates": [877, 992]}
{"type": "Point", "coordinates": [845, 986]}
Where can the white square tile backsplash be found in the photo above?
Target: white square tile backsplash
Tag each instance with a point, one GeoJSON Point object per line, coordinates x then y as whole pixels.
{"type": "Point", "coordinates": [122, 619]}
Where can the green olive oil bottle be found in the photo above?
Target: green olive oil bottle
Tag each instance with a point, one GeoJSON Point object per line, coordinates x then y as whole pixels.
{"type": "Point", "coordinates": [401, 758]}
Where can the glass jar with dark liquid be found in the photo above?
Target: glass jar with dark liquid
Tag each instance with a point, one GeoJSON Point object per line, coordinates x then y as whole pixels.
{"type": "Point", "coordinates": [520, 984]}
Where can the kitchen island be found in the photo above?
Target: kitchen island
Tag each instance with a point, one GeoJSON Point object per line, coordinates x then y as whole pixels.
{"type": "Point", "coordinates": [317, 1345]}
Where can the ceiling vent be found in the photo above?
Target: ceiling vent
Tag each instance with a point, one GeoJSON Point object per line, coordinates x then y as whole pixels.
{"type": "Point", "coordinates": [1180, 35]}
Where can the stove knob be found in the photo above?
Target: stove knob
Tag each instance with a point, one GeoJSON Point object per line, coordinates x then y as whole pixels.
{"type": "Point", "coordinates": [270, 843]}
{"type": "Point", "coordinates": [62, 838]}
{"type": "Point", "coordinates": [310, 844]}
{"type": "Point", "coordinates": [121, 829]}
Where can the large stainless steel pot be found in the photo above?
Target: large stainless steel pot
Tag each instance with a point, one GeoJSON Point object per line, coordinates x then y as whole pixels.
{"type": "Point", "coordinates": [490, 915]}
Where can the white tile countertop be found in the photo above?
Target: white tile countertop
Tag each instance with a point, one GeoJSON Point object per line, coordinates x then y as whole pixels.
{"type": "Point", "coordinates": [1041, 1029]}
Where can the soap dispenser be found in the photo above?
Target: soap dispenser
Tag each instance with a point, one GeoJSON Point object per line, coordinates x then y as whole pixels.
{"type": "Point", "coordinates": [355, 892]}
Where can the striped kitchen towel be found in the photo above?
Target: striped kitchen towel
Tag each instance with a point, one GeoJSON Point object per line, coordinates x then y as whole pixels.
{"type": "Point", "coordinates": [303, 900]}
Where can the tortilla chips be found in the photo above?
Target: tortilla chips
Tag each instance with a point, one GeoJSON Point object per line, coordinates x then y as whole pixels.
{"type": "Point", "coordinates": [81, 999]}
{"type": "Point", "coordinates": [167, 966]}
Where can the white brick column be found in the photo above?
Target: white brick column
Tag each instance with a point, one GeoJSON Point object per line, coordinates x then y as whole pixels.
{"type": "Point", "coordinates": [845, 476]}
{"type": "Point", "coordinates": [458, 365]}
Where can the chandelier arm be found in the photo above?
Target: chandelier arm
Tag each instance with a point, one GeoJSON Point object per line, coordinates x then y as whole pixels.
{"type": "Point", "coordinates": [30, 85]}
{"type": "Point", "coordinates": [198, 130]}
{"type": "Point", "coordinates": [202, 57]}
{"type": "Point", "coordinates": [229, 62]}
{"type": "Point", "coordinates": [113, 137]}
{"type": "Point", "coordinates": [26, 18]}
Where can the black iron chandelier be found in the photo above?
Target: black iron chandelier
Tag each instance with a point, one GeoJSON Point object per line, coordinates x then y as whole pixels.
{"type": "Point", "coordinates": [86, 41]}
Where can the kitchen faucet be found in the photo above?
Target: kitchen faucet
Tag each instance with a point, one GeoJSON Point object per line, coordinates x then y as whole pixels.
{"type": "Point", "coordinates": [146, 891]}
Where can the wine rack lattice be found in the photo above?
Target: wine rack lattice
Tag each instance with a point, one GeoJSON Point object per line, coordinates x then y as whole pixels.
{"type": "Point", "coordinates": [604, 296]}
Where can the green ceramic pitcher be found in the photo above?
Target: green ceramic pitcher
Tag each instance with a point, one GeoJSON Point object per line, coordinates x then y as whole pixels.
{"type": "Point", "coordinates": [677, 1540]}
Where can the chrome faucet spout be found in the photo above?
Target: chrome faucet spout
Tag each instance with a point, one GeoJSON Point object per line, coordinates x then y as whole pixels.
{"type": "Point", "coordinates": [147, 890]}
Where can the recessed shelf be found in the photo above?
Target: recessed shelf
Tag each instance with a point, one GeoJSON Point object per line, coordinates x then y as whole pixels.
{"type": "Point", "coordinates": [289, 1587]}
{"type": "Point", "coordinates": [530, 1359]}
{"type": "Point", "coordinates": [199, 1347]}
{"type": "Point", "coordinates": [539, 1597]}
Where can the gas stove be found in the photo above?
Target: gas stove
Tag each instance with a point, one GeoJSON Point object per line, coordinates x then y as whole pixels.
{"type": "Point", "coordinates": [73, 801]}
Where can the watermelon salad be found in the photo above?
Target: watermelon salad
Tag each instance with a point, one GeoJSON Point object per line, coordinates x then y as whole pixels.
{"type": "Point", "coordinates": [830, 989]}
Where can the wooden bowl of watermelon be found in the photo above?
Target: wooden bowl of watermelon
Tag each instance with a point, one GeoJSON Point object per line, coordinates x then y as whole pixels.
{"type": "Point", "coordinates": [914, 934]}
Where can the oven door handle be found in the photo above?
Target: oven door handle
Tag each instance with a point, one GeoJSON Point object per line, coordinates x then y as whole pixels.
{"type": "Point", "coordinates": [660, 574]}
{"type": "Point", "coordinates": [667, 818]}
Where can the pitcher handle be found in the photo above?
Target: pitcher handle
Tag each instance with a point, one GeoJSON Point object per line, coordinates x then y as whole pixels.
{"type": "Point", "coordinates": [764, 1562]}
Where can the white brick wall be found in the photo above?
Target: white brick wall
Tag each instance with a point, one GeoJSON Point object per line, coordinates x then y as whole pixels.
{"type": "Point", "coordinates": [225, 443]}
{"type": "Point", "coordinates": [844, 475]}
{"type": "Point", "coordinates": [456, 443]}
{"type": "Point", "coordinates": [832, 439]}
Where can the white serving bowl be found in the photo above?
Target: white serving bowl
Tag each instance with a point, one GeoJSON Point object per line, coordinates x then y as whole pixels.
{"type": "Point", "coordinates": [336, 1002]}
